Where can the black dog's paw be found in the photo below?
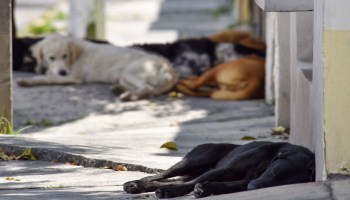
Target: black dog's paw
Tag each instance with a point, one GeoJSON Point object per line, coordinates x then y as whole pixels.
{"type": "Point", "coordinates": [202, 190]}
{"type": "Point", "coordinates": [134, 187]}
{"type": "Point", "coordinates": [162, 193]}
{"type": "Point", "coordinates": [168, 192]}
{"type": "Point", "coordinates": [173, 191]}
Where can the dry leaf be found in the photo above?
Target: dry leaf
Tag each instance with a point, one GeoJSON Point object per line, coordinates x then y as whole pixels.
{"type": "Point", "coordinates": [72, 163]}
{"type": "Point", "coordinates": [3, 156]}
{"type": "Point", "coordinates": [172, 94]}
{"type": "Point", "coordinates": [27, 155]}
{"type": "Point", "coordinates": [175, 94]}
{"type": "Point", "coordinates": [248, 138]}
{"type": "Point", "coordinates": [176, 123]}
{"type": "Point", "coordinates": [12, 179]}
{"type": "Point", "coordinates": [169, 145]}
{"type": "Point", "coordinates": [120, 168]}
{"type": "Point", "coordinates": [279, 129]}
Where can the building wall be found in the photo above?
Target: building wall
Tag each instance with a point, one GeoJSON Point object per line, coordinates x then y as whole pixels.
{"type": "Point", "coordinates": [337, 99]}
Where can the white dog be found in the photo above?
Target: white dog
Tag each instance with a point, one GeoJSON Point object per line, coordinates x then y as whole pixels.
{"type": "Point", "coordinates": [72, 61]}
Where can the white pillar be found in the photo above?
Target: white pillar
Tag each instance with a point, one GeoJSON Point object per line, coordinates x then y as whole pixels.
{"type": "Point", "coordinates": [282, 70]}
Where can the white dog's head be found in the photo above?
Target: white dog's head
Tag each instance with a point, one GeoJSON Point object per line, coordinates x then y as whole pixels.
{"type": "Point", "coordinates": [55, 55]}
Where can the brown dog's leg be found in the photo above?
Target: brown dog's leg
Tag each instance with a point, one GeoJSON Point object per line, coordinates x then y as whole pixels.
{"type": "Point", "coordinates": [253, 43]}
{"type": "Point", "coordinates": [196, 93]}
{"type": "Point", "coordinates": [206, 78]}
{"type": "Point", "coordinates": [247, 92]}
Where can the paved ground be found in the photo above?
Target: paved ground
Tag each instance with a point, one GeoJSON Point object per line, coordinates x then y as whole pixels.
{"type": "Point", "coordinates": [88, 126]}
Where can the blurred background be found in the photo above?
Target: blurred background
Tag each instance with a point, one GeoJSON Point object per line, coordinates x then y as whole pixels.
{"type": "Point", "coordinates": [125, 22]}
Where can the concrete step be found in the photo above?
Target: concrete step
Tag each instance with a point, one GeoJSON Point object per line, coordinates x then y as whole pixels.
{"type": "Point", "coordinates": [144, 8]}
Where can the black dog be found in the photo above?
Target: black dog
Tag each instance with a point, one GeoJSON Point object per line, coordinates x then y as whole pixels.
{"type": "Point", "coordinates": [22, 59]}
{"type": "Point", "coordinates": [190, 57]}
{"type": "Point", "coordinates": [193, 57]}
{"type": "Point", "coordinates": [225, 168]}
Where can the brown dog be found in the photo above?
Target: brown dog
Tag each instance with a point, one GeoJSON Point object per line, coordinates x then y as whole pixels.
{"type": "Point", "coordinates": [236, 80]}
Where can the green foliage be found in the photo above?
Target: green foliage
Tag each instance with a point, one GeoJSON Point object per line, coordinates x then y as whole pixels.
{"type": "Point", "coordinates": [46, 23]}
{"type": "Point", "coordinates": [6, 127]}
{"type": "Point", "coordinates": [54, 186]}
{"type": "Point", "coordinates": [41, 123]}
{"type": "Point", "coordinates": [221, 11]}
{"type": "Point", "coordinates": [60, 16]}
{"type": "Point", "coordinates": [28, 154]}
{"type": "Point", "coordinates": [39, 29]}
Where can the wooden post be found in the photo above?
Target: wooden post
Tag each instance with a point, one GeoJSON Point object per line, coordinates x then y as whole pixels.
{"type": "Point", "coordinates": [5, 60]}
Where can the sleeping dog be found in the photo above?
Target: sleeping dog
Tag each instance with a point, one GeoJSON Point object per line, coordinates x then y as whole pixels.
{"type": "Point", "coordinates": [22, 58]}
{"type": "Point", "coordinates": [239, 79]}
{"type": "Point", "coordinates": [71, 61]}
{"type": "Point", "coordinates": [226, 168]}
{"type": "Point", "coordinates": [193, 57]}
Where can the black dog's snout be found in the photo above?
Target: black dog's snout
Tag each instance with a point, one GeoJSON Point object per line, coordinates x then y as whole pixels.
{"type": "Point", "coordinates": [62, 73]}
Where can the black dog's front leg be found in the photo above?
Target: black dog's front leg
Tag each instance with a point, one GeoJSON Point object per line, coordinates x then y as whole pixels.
{"type": "Point", "coordinates": [181, 189]}
{"type": "Point", "coordinates": [139, 186]}
{"type": "Point", "coordinates": [212, 188]}
{"type": "Point", "coordinates": [198, 161]}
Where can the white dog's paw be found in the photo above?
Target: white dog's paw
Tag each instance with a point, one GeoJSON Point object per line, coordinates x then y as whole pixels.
{"type": "Point", "coordinates": [24, 83]}
{"type": "Point", "coordinates": [127, 96]}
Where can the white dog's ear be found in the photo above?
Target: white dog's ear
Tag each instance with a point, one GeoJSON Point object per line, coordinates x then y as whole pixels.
{"type": "Point", "coordinates": [37, 53]}
{"type": "Point", "coordinates": [75, 51]}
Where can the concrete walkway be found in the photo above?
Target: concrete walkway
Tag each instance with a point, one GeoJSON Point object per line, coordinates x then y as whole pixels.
{"type": "Point", "coordinates": [102, 133]}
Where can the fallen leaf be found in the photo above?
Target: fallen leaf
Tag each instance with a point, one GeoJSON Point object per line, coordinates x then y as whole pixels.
{"type": "Point", "coordinates": [27, 154]}
{"type": "Point", "coordinates": [175, 94]}
{"type": "Point", "coordinates": [120, 168]}
{"type": "Point", "coordinates": [176, 123]}
{"type": "Point", "coordinates": [72, 163]}
{"type": "Point", "coordinates": [248, 138]}
{"type": "Point", "coordinates": [169, 145]}
{"type": "Point", "coordinates": [279, 129]}
{"type": "Point", "coordinates": [13, 157]}
{"type": "Point", "coordinates": [172, 94]}
{"type": "Point", "coordinates": [3, 156]}
{"type": "Point", "coordinates": [12, 179]}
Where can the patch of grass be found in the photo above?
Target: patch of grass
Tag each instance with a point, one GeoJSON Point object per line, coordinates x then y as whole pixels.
{"type": "Point", "coordinates": [7, 128]}
{"type": "Point", "coordinates": [41, 123]}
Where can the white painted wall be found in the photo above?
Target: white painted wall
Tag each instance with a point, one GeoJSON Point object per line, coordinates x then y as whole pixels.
{"type": "Point", "coordinates": [285, 5]}
{"type": "Point", "coordinates": [281, 69]}
{"type": "Point", "coordinates": [270, 54]}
